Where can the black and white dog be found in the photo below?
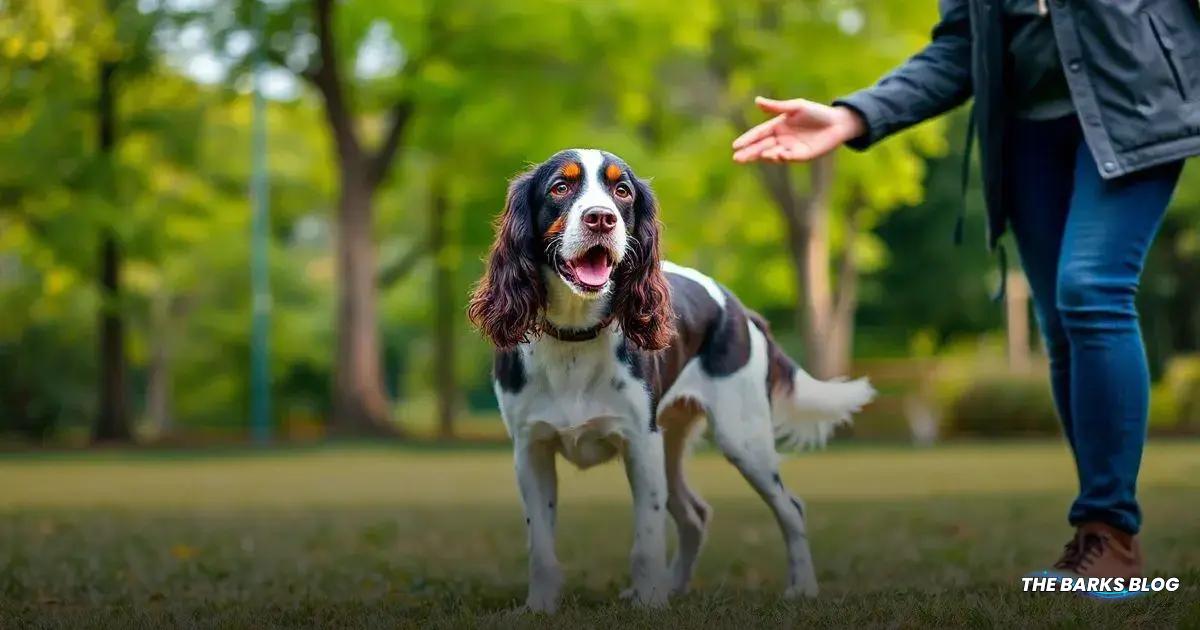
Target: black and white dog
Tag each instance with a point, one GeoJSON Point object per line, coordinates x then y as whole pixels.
{"type": "Point", "coordinates": [604, 350]}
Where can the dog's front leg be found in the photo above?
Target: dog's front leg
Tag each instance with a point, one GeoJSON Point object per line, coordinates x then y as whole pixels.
{"type": "Point", "coordinates": [538, 483]}
{"type": "Point", "coordinates": [648, 480]}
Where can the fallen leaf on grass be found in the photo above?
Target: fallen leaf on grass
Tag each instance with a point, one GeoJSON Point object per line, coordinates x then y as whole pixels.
{"type": "Point", "coordinates": [183, 552]}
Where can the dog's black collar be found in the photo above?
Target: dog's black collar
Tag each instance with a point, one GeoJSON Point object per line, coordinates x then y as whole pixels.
{"type": "Point", "coordinates": [577, 334]}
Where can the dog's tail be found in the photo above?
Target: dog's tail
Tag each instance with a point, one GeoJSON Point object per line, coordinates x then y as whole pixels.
{"type": "Point", "coordinates": [804, 410]}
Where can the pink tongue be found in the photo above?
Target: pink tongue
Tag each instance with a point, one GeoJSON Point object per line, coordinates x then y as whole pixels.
{"type": "Point", "coordinates": [592, 269]}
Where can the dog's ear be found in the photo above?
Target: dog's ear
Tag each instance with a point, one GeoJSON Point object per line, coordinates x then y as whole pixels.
{"type": "Point", "coordinates": [506, 303]}
{"type": "Point", "coordinates": [643, 301]}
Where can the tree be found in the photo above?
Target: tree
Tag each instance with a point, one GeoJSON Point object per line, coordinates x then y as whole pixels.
{"type": "Point", "coordinates": [112, 419]}
{"type": "Point", "coordinates": [452, 66]}
{"type": "Point", "coordinates": [904, 298]}
{"type": "Point", "coordinates": [127, 54]}
{"type": "Point", "coordinates": [169, 200]}
{"type": "Point", "coordinates": [360, 404]}
{"type": "Point", "coordinates": [451, 98]}
{"type": "Point", "coordinates": [1170, 311]}
{"type": "Point", "coordinates": [444, 314]}
{"type": "Point", "coordinates": [820, 52]}
{"type": "Point", "coordinates": [107, 37]}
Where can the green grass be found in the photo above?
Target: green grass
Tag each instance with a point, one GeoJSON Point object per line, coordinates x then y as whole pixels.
{"type": "Point", "coordinates": [399, 537]}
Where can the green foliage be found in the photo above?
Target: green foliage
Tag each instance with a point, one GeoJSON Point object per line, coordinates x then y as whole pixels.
{"type": "Point", "coordinates": [1008, 406]}
{"type": "Point", "coordinates": [45, 375]}
{"type": "Point", "coordinates": [1175, 401]}
{"type": "Point", "coordinates": [495, 86]}
{"type": "Point", "coordinates": [178, 206]}
{"type": "Point", "coordinates": [930, 286]}
{"type": "Point", "coordinates": [719, 214]}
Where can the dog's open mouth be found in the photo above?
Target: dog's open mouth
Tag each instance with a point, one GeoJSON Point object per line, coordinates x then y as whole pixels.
{"type": "Point", "coordinates": [591, 271]}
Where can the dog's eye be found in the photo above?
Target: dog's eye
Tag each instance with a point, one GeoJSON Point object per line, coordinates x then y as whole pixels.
{"type": "Point", "coordinates": [622, 191]}
{"type": "Point", "coordinates": [560, 189]}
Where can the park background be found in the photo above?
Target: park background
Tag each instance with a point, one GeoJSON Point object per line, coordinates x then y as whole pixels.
{"type": "Point", "coordinates": [132, 218]}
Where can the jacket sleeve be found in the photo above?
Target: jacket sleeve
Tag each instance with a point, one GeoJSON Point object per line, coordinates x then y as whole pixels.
{"type": "Point", "coordinates": [931, 82]}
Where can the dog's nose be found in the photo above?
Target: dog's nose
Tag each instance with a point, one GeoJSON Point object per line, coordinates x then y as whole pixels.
{"type": "Point", "coordinates": [600, 220]}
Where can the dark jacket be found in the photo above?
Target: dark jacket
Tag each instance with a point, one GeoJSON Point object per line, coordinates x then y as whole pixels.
{"type": "Point", "coordinates": [1133, 67]}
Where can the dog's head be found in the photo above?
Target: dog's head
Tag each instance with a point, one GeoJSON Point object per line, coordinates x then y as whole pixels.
{"type": "Point", "coordinates": [582, 218]}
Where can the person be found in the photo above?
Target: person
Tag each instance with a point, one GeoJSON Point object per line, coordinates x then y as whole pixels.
{"type": "Point", "coordinates": [1084, 112]}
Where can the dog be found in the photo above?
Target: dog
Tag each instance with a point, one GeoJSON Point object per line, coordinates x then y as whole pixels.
{"type": "Point", "coordinates": [602, 350]}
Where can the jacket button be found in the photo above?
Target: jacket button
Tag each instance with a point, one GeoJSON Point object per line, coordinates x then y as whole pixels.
{"type": "Point", "coordinates": [1074, 66]}
{"type": "Point", "coordinates": [1110, 167]}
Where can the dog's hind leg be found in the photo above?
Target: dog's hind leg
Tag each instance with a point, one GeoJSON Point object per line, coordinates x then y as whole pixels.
{"type": "Point", "coordinates": [743, 431]}
{"type": "Point", "coordinates": [690, 513]}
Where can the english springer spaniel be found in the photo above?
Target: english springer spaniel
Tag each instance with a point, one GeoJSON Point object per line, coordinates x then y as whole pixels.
{"type": "Point", "coordinates": [603, 351]}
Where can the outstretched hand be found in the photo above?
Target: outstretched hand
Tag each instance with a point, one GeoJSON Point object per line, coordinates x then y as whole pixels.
{"type": "Point", "coordinates": [800, 131]}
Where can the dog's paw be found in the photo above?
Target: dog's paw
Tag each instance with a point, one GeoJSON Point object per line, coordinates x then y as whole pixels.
{"type": "Point", "coordinates": [798, 591]}
{"type": "Point", "coordinates": [544, 591]}
{"type": "Point", "coordinates": [680, 581]}
{"type": "Point", "coordinates": [649, 596]}
{"type": "Point", "coordinates": [657, 598]}
{"type": "Point", "coordinates": [542, 601]}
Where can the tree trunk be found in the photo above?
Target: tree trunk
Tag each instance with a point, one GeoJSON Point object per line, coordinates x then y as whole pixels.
{"type": "Point", "coordinates": [112, 419]}
{"type": "Point", "coordinates": [825, 341]}
{"type": "Point", "coordinates": [360, 406]}
{"type": "Point", "coordinates": [845, 304]}
{"type": "Point", "coordinates": [112, 422]}
{"type": "Point", "coordinates": [445, 315]}
{"type": "Point", "coordinates": [1017, 320]}
{"type": "Point", "coordinates": [167, 314]}
{"type": "Point", "coordinates": [815, 307]}
{"type": "Point", "coordinates": [824, 314]}
{"type": "Point", "coordinates": [158, 380]}
{"type": "Point", "coordinates": [845, 301]}
{"type": "Point", "coordinates": [835, 359]}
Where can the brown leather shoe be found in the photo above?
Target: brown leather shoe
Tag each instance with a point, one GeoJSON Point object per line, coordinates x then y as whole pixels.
{"type": "Point", "coordinates": [1100, 550]}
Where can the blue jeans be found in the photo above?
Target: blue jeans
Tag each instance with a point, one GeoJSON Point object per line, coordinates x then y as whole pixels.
{"type": "Point", "coordinates": [1083, 242]}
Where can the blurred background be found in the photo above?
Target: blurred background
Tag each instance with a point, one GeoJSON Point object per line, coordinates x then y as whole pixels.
{"type": "Point", "coordinates": [131, 177]}
{"type": "Point", "coordinates": [227, 222]}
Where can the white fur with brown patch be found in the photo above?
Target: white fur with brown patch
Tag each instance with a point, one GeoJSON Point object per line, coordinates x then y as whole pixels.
{"type": "Point", "coordinates": [580, 400]}
{"type": "Point", "coordinates": [576, 238]}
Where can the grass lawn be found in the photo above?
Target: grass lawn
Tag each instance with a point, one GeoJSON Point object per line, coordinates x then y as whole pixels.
{"type": "Point", "coordinates": [409, 537]}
